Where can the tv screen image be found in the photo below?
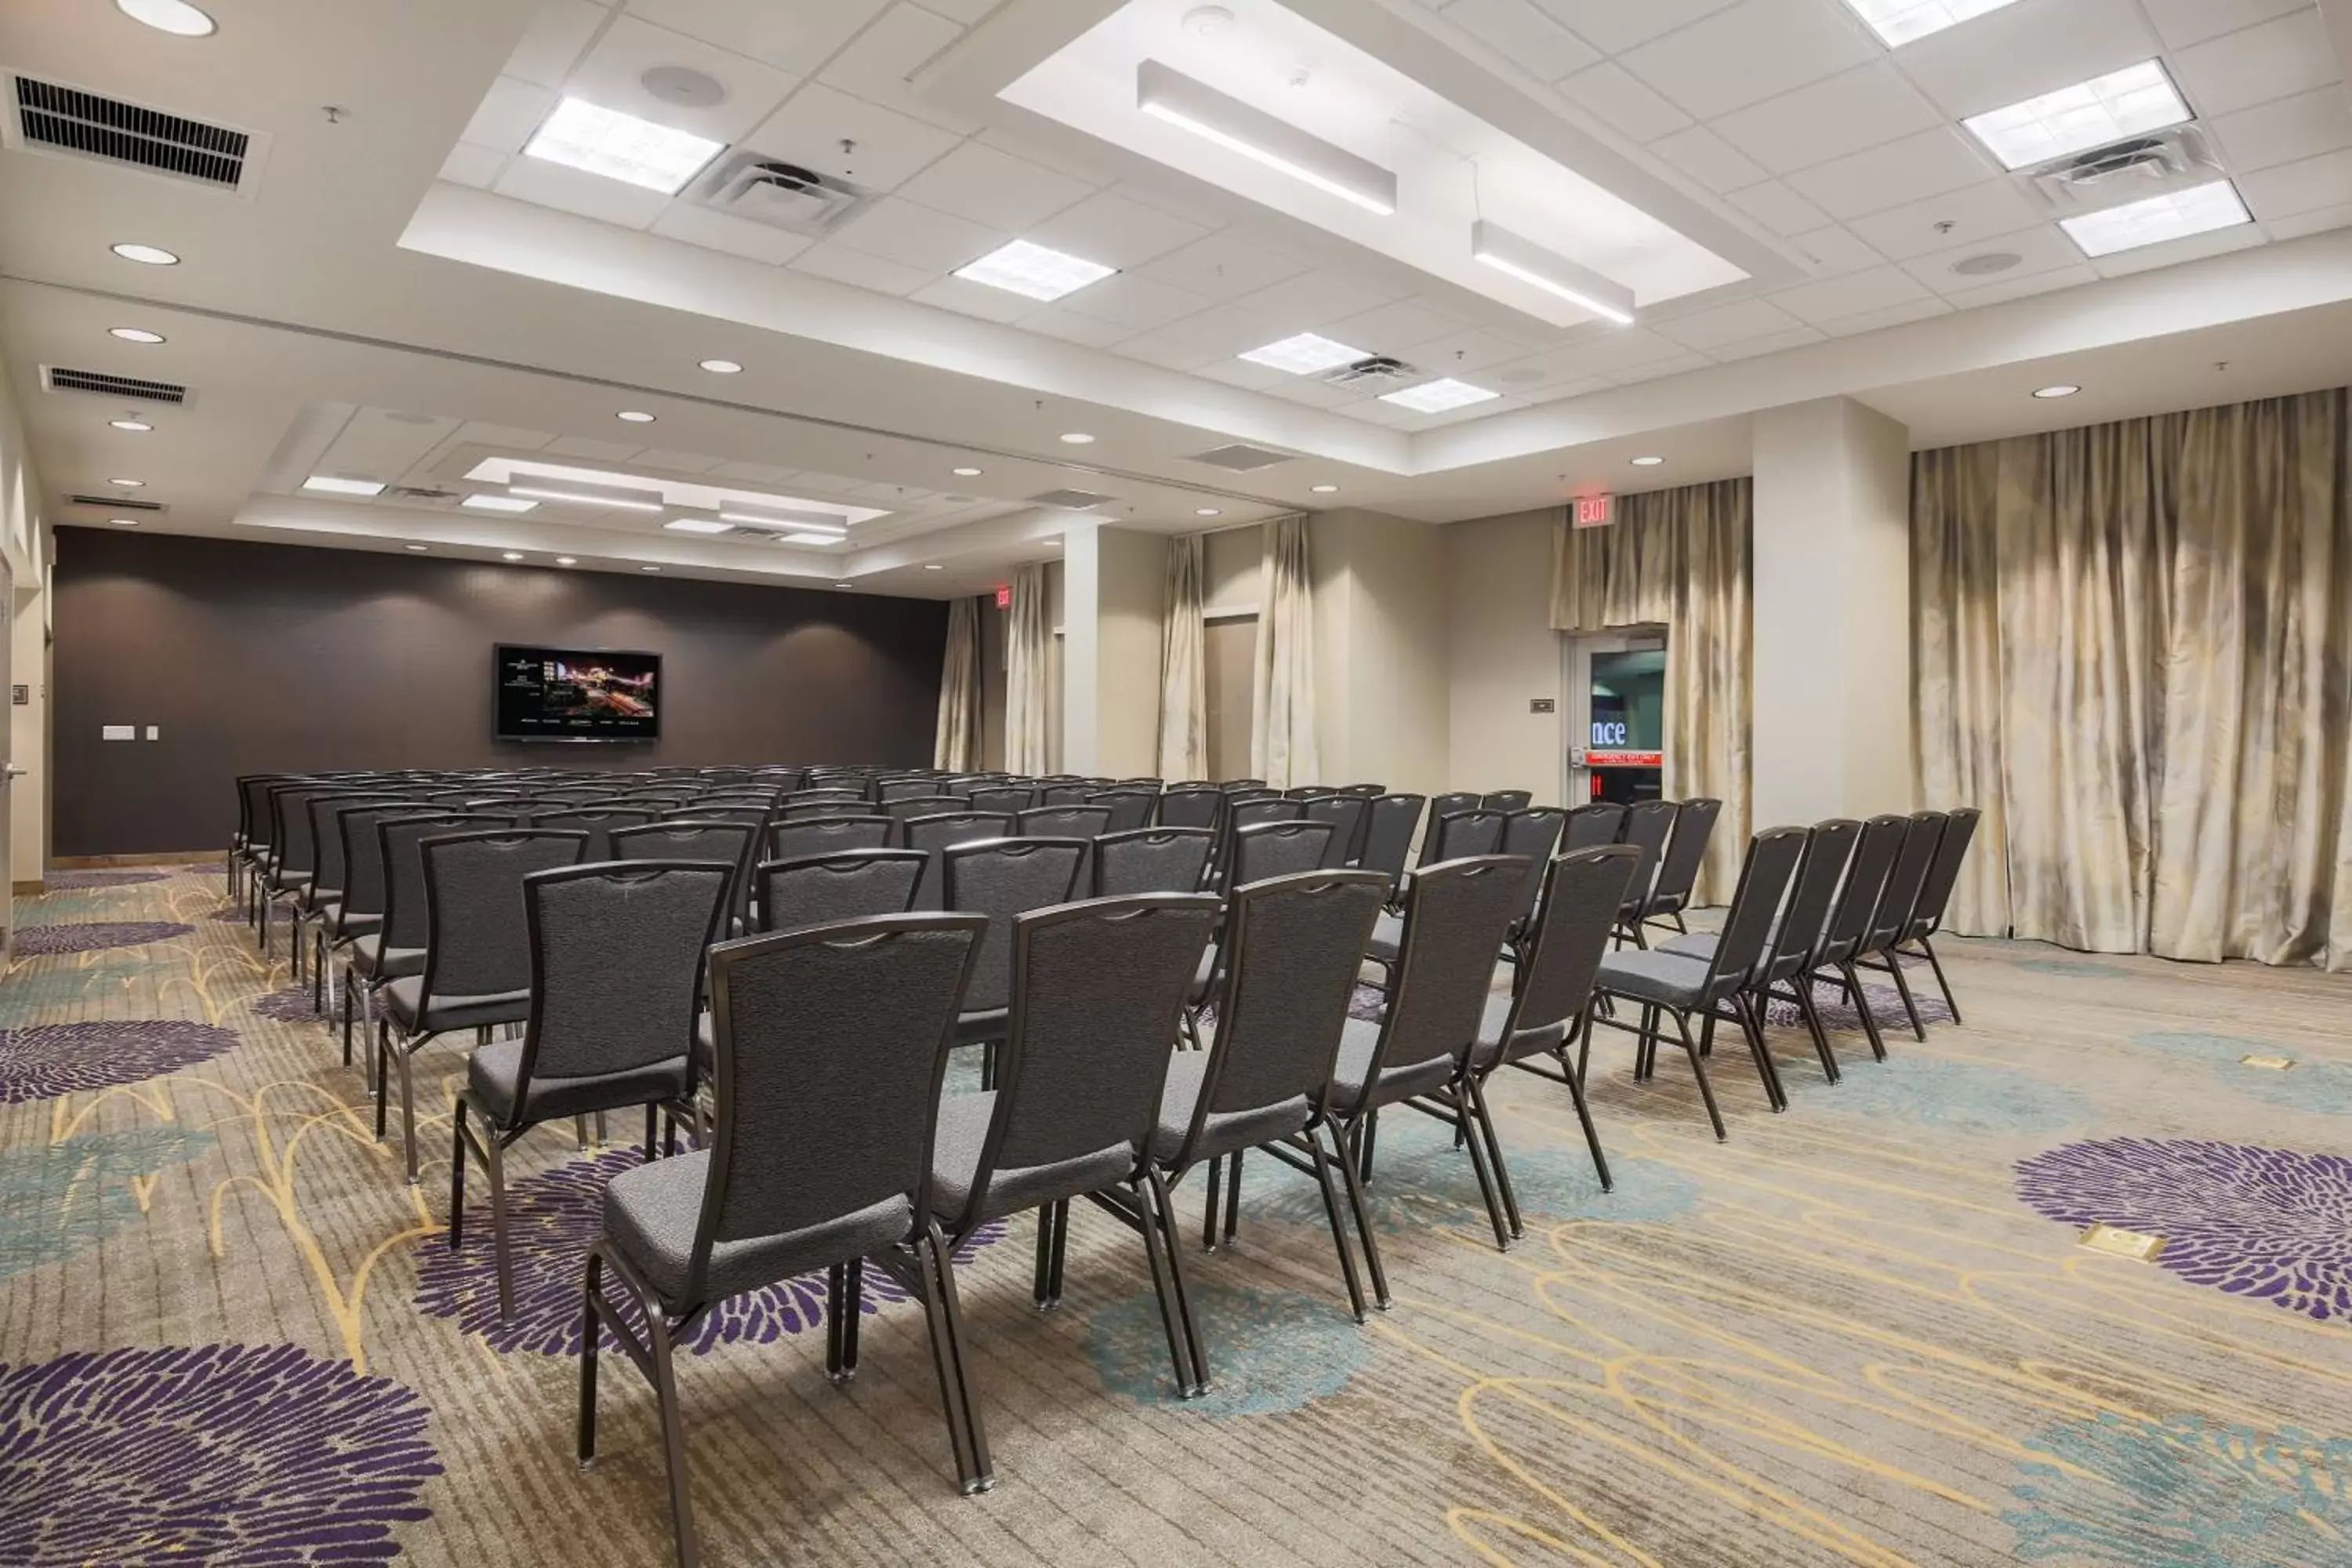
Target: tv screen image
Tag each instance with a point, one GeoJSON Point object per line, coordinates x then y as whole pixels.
{"type": "Point", "coordinates": [577, 694]}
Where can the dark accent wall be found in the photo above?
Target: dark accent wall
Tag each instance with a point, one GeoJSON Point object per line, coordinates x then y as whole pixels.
{"type": "Point", "coordinates": [274, 657]}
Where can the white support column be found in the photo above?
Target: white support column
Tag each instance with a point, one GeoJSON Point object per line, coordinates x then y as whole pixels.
{"type": "Point", "coordinates": [1113, 587]}
{"type": "Point", "coordinates": [1832, 621]}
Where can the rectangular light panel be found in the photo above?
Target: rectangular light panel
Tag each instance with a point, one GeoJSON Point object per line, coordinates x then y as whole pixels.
{"type": "Point", "coordinates": [1034, 271]}
{"type": "Point", "coordinates": [497, 503]}
{"type": "Point", "coordinates": [1900, 21]}
{"type": "Point", "coordinates": [327, 484]}
{"type": "Point", "coordinates": [1305, 354]}
{"type": "Point", "coordinates": [1555, 274]}
{"type": "Point", "coordinates": [1194, 106]}
{"type": "Point", "coordinates": [582, 498]}
{"type": "Point", "coordinates": [1437, 396]}
{"type": "Point", "coordinates": [2128, 102]}
{"type": "Point", "coordinates": [697, 525]}
{"type": "Point", "coordinates": [579, 135]}
{"type": "Point", "coordinates": [2176, 214]}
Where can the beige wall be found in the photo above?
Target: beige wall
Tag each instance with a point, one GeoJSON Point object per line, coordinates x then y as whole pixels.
{"type": "Point", "coordinates": [1229, 569]}
{"type": "Point", "coordinates": [1115, 589]}
{"type": "Point", "coordinates": [1501, 653]}
{"type": "Point", "coordinates": [1381, 689]}
{"type": "Point", "coordinates": [23, 652]}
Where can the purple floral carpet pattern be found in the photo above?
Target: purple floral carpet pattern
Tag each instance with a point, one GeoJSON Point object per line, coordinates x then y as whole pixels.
{"type": "Point", "coordinates": [552, 1219]}
{"type": "Point", "coordinates": [216, 1454]}
{"type": "Point", "coordinates": [291, 1005]}
{"type": "Point", "coordinates": [40, 942]}
{"type": "Point", "coordinates": [57, 881]}
{"type": "Point", "coordinates": [1838, 1014]}
{"type": "Point", "coordinates": [50, 1059]}
{"type": "Point", "coordinates": [2269, 1224]}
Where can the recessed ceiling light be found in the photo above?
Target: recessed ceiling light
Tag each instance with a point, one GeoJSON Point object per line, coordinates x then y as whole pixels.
{"type": "Point", "coordinates": [1555, 274]}
{"type": "Point", "coordinates": [420, 549]}
{"type": "Point", "coordinates": [136, 426]}
{"type": "Point", "coordinates": [1175, 98]}
{"type": "Point", "coordinates": [2092, 114]}
{"type": "Point", "coordinates": [1325, 489]}
{"type": "Point", "coordinates": [1208, 21]}
{"type": "Point", "coordinates": [511, 555]}
{"type": "Point", "coordinates": [634, 416]}
{"type": "Point", "coordinates": [649, 568]}
{"type": "Point", "coordinates": [1206, 511]}
{"type": "Point", "coordinates": [124, 521]}
{"type": "Point", "coordinates": [2176, 214]}
{"type": "Point", "coordinates": [697, 525]}
{"type": "Point", "coordinates": [128, 484]}
{"type": "Point", "coordinates": [329, 485]}
{"type": "Point", "coordinates": [496, 503]}
{"type": "Point", "coordinates": [1077, 439]}
{"type": "Point", "coordinates": [1034, 271]}
{"type": "Point", "coordinates": [145, 255]}
{"type": "Point", "coordinates": [1437, 396]}
{"type": "Point", "coordinates": [134, 334]}
{"type": "Point", "coordinates": [1646, 462]}
{"type": "Point", "coordinates": [722, 367]}
{"type": "Point", "coordinates": [176, 18]}
{"type": "Point", "coordinates": [1305, 354]}
{"type": "Point", "coordinates": [934, 568]}
{"type": "Point", "coordinates": [577, 498]}
{"type": "Point", "coordinates": [965, 473]}
{"type": "Point", "coordinates": [2060, 391]}
{"type": "Point", "coordinates": [567, 561]}
{"type": "Point", "coordinates": [1901, 21]}
{"type": "Point", "coordinates": [580, 135]}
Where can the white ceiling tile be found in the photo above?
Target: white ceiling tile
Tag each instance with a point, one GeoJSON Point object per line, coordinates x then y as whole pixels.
{"type": "Point", "coordinates": [1554, 392]}
{"type": "Point", "coordinates": [1866, 107]}
{"type": "Point", "coordinates": [796, 38]}
{"type": "Point", "coordinates": [1057, 322]}
{"type": "Point", "coordinates": [1836, 251]}
{"type": "Point", "coordinates": [1979, 212]}
{"type": "Point", "coordinates": [1225, 332]}
{"type": "Point", "coordinates": [478, 433]}
{"type": "Point", "coordinates": [1708, 159]}
{"type": "Point", "coordinates": [915, 236]}
{"type": "Point", "coordinates": [2196, 247]}
{"type": "Point", "coordinates": [2318, 221]}
{"type": "Point", "coordinates": [2287, 129]}
{"type": "Point", "coordinates": [1771, 343]}
{"type": "Point", "coordinates": [2186, 22]}
{"type": "Point", "coordinates": [1711, 329]}
{"type": "Point", "coordinates": [1613, 354]}
{"type": "Point", "coordinates": [720, 231]}
{"type": "Point", "coordinates": [887, 148]}
{"type": "Point", "coordinates": [1779, 208]}
{"type": "Point", "coordinates": [1180, 195]}
{"type": "Point", "coordinates": [507, 115]}
{"type": "Point", "coordinates": [1315, 298]}
{"type": "Point", "coordinates": [672, 462]}
{"type": "Point", "coordinates": [1221, 267]}
{"type": "Point", "coordinates": [1616, 97]}
{"type": "Point", "coordinates": [1757, 50]}
{"type": "Point", "coordinates": [470, 165]}
{"type": "Point", "coordinates": [1114, 231]}
{"type": "Point", "coordinates": [1893, 316]}
{"type": "Point", "coordinates": [2009, 288]}
{"type": "Point", "coordinates": [2279, 58]}
{"type": "Point", "coordinates": [593, 451]}
{"type": "Point", "coordinates": [559, 30]}
{"type": "Point", "coordinates": [572, 191]}
{"type": "Point", "coordinates": [1927, 164]}
{"type": "Point", "coordinates": [1133, 301]}
{"type": "Point", "coordinates": [1241, 372]}
{"type": "Point", "coordinates": [1658, 369]}
{"type": "Point", "coordinates": [752, 473]}
{"type": "Point", "coordinates": [1524, 36]}
{"type": "Point", "coordinates": [979, 183]}
{"type": "Point", "coordinates": [1172, 348]}
{"type": "Point", "coordinates": [1828, 298]}
{"type": "Point", "coordinates": [2026, 50]}
{"type": "Point", "coordinates": [1459, 352]}
{"type": "Point", "coordinates": [1072, 156]}
{"type": "Point", "coordinates": [1613, 27]}
{"type": "Point", "coordinates": [2290, 188]}
{"type": "Point", "coordinates": [846, 265]}
{"type": "Point", "coordinates": [878, 63]}
{"type": "Point", "coordinates": [968, 299]}
{"type": "Point", "coordinates": [1305, 389]}
{"type": "Point", "coordinates": [608, 76]}
{"type": "Point", "coordinates": [2041, 248]}
{"type": "Point", "coordinates": [965, 11]}
{"type": "Point", "coordinates": [1390, 329]}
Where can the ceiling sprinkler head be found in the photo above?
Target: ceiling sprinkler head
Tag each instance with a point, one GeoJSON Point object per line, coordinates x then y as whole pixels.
{"type": "Point", "coordinates": [1208, 21]}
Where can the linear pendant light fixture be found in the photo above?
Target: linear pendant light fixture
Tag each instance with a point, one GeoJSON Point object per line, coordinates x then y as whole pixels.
{"type": "Point", "coordinates": [1171, 95]}
{"type": "Point", "coordinates": [1553, 273]}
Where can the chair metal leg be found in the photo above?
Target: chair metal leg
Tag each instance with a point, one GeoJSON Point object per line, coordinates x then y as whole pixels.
{"type": "Point", "coordinates": [457, 1177]}
{"type": "Point", "coordinates": [1323, 1164]}
{"type": "Point", "coordinates": [852, 1313]}
{"type": "Point", "coordinates": [1164, 1217]}
{"type": "Point", "coordinates": [501, 1252]}
{"type": "Point", "coordinates": [975, 1472]}
{"type": "Point", "coordinates": [1863, 1009]}
{"type": "Point", "coordinates": [1479, 1143]}
{"type": "Point", "coordinates": [833, 1293]}
{"type": "Point", "coordinates": [1699, 1070]}
{"type": "Point", "coordinates": [1061, 1247]}
{"type": "Point", "coordinates": [1041, 1288]}
{"type": "Point", "coordinates": [589, 1336]}
{"type": "Point", "coordinates": [1902, 988]}
{"type": "Point", "coordinates": [404, 1049]}
{"type": "Point", "coordinates": [681, 1508]}
{"type": "Point", "coordinates": [1927, 947]}
{"type": "Point", "coordinates": [1821, 1037]}
{"type": "Point", "coordinates": [382, 1061]}
{"type": "Point", "coordinates": [1233, 1196]}
{"type": "Point", "coordinates": [1349, 1157]}
{"type": "Point", "coordinates": [1170, 1313]}
{"type": "Point", "coordinates": [1368, 1131]}
{"type": "Point", "coordinates": [1209, 1210]}
{"type": "Point", "coordinates": [347, 1016]}
{"type": "Point", "coordinates": [1751, 1025]}
{"type": "Point", "coordinates": [1574, 1074]}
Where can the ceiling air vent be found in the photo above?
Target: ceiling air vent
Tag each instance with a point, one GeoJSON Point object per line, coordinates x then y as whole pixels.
{"type": "Point", "coordinates": [417, 492]}
{"type": "Point", "coordinates": [57, 378]}
{"type": "Point", "coordinates": [783, 196]}
{"type": "Point", "coordinates": [116, 503]}
{"type": "Point", "coordinates": [1240, 458]}
{"type": "Point", "coordinates": [1069, 500]}
{"type": "Point", "coordinates": [2127, 171]}
{"type": "Point", "coordinates": [51, 116]}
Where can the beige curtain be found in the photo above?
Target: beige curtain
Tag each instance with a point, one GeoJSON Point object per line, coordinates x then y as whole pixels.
{"type": "Point", "coordinates": [2135, 652]}
{"type": "Point", "coordinates": [1184, 671]}
{"type": "Point", "coordinates": [1028, 654]}
{"type": "Point", "coordinates": [956, 743]}
{"type": "Point", "coordinates": [1282, 719]}
{"type": "Point", "coordinates": [1679, 559]}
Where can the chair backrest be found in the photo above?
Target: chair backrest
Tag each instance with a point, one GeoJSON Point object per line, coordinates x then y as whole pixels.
{"type": "Point", "coordinates": [830, 1046]}
{"type": "Point", "coordinates": [1388, 835]}
{"type": "Point", "coordinates": [1129, 808]}
{"type": "Point", "coordinates": [327, 813]}
{"type": "Point", "coordinates": [476, 943]}
{"type": "Point", "coordinates": [826, 890]}
{"type": "Point", "coordinates": [1349, 814]}
{"type": "Point", "coordinates": [293, 852]}
{"type": "Point", "coordinates": [807, 810]}
{"type": "Point", "coordinates": [1152, 860]}
{"type": "Point", "coordinates": [1305, 792]}
{"type": "Point", "coordinates": [398, 834]}
{"type": "Point", "coordinates": [814, 796]}
{"type": "Point", "coordinates": [1462, 833]}
{"type": "Point", "coordinates": [1442, 807]}
{"type": "Point", "coordinates": [1507, 799]}
{"type": "Point", "coordinates": [1765, 873]}
{"type": "Point", "coordinates": [933, 836]}
{"type": "Point", "coordinates": [1648, 825]}
{"type": "Point", "coordinates": [1369, 790]}
{"type": "Point", "coordinates": [1534, 832]}
{"type": "Point", "coordinates": [1284, 849]}
{"type": "Point", "coordinates": [792, 840]}
{"type": "Point", "coordinates": [1230, 785]}
{"type": "Point", "coordinates": [1685, 853]}
{"type": "Point", "coordinates": [693, 838]}
{"type": "Point", "coordinates": [1009, 798]}
{"type": "Point", "coordinates": [1201, 806]}
{"type": "Point", "coordinates": [1002, 878]}
{"type": "Point", "coordinates": [363, 855]}
{"type": "Point", "coordinates": [1251, 811]}
{"type": "Point", "coordinates": [1591, 826]}
{"type": "Point", "coordinates": [1063, 822]}
{"type": "Point", "coordinates": [908, 806]}
{"type": "Point", "coordinates": [1582, 891]}
{"type": "Point", "coordinates": [1944, 873]}
{"type": "Point", "coordinates": [753, 816]}
{"type": "Point", "coordinates": [889, 790]}
{"type": "Point", "coordinates": [1865, 878]}
{"type": "Point", "coordinates": [1292, 948]}
{"type": "Point", "coordinates": [615, 966]}
{"type": "Point", "coordinates": [1904, 883]}
{"type": "Point", "coordinates": [1072, 793]}
{"type": "Point", "coordinates": [1804, 923]}
{"type": "Point", "coordinates": [253, 806]}
{"type": "Point", "coordinates": [1457, 915]}
{"type": "Point", "coordinates": [1096, 991]}
{"type": "Point", "coordinates": [598, 824]}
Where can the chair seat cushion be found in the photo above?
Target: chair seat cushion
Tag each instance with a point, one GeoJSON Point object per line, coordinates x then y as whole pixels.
{"type": "Point", "coordinates": [1697, 944]}
{"type": "Point", "coordinates": [404, 1000]}
{"type": "Point", "coordinates": [955, 1165]}
{"type": "Point", "coordinates": [371, 958]}
{"type": "Point", "coordinates": [652, 1213]}
{"type": "Point", "coordinates": [1672, 978]}
{"type": "Point", "coordinates": [491, 1075]}
{"type": "Point", "coordinates": [1226, 1130]}
{"type": "Point", "coordinates": [1388, 938]}
{"type": "Point", "coordinates": [1491, 1051]}
{"type": "Point", "coordinates": [1399, 1081]}
{"type": "Point", "coordinates": [344, 924]}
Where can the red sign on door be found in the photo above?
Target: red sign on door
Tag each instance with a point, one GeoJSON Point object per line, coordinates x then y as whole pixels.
{"type": "Point", "coordinates": [1592, 511]}
{"type": "Point", "coordinates": [1624, 759]}
{"type": "Point", "coordinates": [1003, 595]}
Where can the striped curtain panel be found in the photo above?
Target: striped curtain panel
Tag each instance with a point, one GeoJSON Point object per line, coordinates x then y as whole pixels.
{"type": "Point", "coordinates": [1183, 672]}
{"type": "Point", "coordinates": [956, 745]}
{"type": "Point", "coordinates": [1028, 655]}
{"type": "Point", "coordinates": [1282, 720]}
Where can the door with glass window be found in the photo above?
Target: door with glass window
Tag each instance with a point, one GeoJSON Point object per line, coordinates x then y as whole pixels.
{"type": "Point", "coordinates": [1616, 718]}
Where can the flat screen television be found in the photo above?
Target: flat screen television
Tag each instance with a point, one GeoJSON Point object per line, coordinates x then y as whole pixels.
{"type": "Point", "coordinates": [577, 694]}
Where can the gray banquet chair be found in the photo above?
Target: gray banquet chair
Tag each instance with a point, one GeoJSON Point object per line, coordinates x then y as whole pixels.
{"type": "Point", "coordinates": [1152, 860]}
{"type": "Point", "coordinates": [1200, 806]}
{"type": "Point", "coordinates": [1350, 816]}
{"type": "Point", "coordinates": [1388, 834]}
{"type": "Point", "coordinates": [1593, 825]}
{"type": "Point", "coordinates": [1670, 895]}
{"type": "Point", "coordinates": [934, 836]}
{"type": "Point", "coordinates": [1848, 920]}
{"type": "Point", "coordinates": [1129, 808]}
{"type": "Point", "coordinates": [1002, 879]}
{"type": "Point", "coordinates": [597, 821]}
{"type": "Point", "coordinates": [1898, 904]}
{"type": "Point", "coordinates": [695, 839]}
{"type": "Point", "coordinates": [1534, 832]}
{"type": "Point", "coordinates": [373, 960]}
{"type": "Point", "coordinates": [1936, 897]}
{"type": "Point", "coordinates": [796, 839]}
{"type": "Point", "coordinates": [1440, 808]}
{"type": "Point", "coordinates": [1648, 825]}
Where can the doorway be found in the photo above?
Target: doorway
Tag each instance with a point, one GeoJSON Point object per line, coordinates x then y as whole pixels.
{"type": "Point", "coordinates": [1616, 718]}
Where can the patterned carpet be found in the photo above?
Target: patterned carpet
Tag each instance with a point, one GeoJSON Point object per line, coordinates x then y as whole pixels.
{"type": "Point", "coordinates": [1862, 1332]}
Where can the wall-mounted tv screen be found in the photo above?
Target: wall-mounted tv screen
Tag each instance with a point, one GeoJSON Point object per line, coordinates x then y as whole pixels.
{"type": "Point", "coordinates": [577, 694]}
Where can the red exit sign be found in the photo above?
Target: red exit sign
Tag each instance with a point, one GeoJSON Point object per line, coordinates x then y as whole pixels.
{"type": "Point", "coordinates": [1004, 596]}
{"type": "Point", "coordinates": [1592, 511]}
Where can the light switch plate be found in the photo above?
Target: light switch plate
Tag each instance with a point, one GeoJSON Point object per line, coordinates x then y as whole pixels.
{"type": "Point", "coordinates": [118, 732]}
{"type": "Point", "coordinates": [155, 731]}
